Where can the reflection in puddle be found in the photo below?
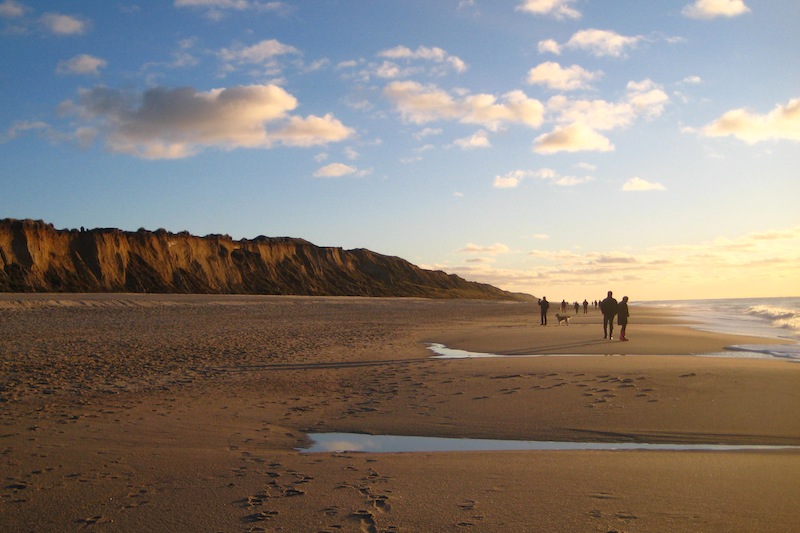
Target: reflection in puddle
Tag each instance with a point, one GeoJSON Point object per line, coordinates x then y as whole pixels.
{"type": "Point", "coordinates": [746, 351]}
{"type": "Point", "coordinates": [443, 352]}
{"type": "Point", "coordinates": [358, 442]}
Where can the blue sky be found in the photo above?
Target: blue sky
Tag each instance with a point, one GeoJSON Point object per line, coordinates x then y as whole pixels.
{"type": "Point", "coordinates": [556, 147]}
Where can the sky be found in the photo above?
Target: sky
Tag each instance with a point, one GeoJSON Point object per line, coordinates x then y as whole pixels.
{"type": "Point", "coordinates": [561, 148]}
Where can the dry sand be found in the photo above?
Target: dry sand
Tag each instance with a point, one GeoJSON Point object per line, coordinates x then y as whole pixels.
{"type": "Point", "coordinates": [182, 413]}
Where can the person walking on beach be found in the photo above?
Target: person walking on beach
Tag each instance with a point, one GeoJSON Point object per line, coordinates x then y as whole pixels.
{"type": "Point", "coordinates": [585, 307]}
{"type": "Point", "coordinates": [622, 317]}
{"type": "Point", "coordinates": [609, 308]}
{"type": "Point", "coordinates": [544, 305]}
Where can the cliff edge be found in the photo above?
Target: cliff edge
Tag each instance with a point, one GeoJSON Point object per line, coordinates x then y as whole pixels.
{"type": "Point", "coordinates": [36, 257]}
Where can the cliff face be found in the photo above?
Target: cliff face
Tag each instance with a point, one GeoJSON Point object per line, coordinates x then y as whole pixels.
{"type": "Point", "coordinates": [34, 256]}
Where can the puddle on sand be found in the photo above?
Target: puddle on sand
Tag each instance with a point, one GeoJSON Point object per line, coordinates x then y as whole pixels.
{"type": "Point", "coordinates": [443, 352]}
{"type": "Point", "coordinates": [359, 442]}
{"type": "Point", "coordinates": [746, 351]}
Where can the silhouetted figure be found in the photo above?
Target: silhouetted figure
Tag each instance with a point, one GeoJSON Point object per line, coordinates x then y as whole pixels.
{"type": "Point", "coordinates": [544, 305]}
{"type": "Point", "coordinates": [577, 307]}
{"type": "Point", "coordinates": [585, 307]}
{"type": "Point", "coordinates": [563, 307]}
{"type": "Point", "coordinates": [609, 308]}
{"type": "Point", "coordinates": [622, 317]}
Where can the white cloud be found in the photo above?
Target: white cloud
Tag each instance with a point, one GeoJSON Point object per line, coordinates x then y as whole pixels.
{"type": "Point", "coordinates": [708, 9]}
{"type": "Point", "coordinates": [219, 4]}
{"type": "Point", "coordinates": [560, 9]}
{"type": "Point", "coordinates": [165, 123]}
{"type": "Point", "coordinates": [603, 43]}
{"type": "Point", "coordinates": [493, 249]}
{"type": "Point", "coordinates": [514, 107]}
{"type": "Point", "coordinates": [420, 104]}
{"type": "Point", "coordinates": [25, 126]}
{"type": "Point", "coordinates": [576, 137]}
{"type": "Point", "coordinates": [64, 24]}
{"type": "Point", "coordinates": [335, 170]}
{"type": "Point", "coordinates": [554, 76]}
{"type": "Point", "coordinates": [642, 99]}
{"type": "Point", "coordinates": [572, 181]}
{"type": "Point", "coordinates": [510, 180]}
{"type": "Point", "coordinates": [549, 46]}
{"type": "Point", "coordinates": [262, 53]}
{"type": "Point", "coordinates": [515, 177]}
{"type": "Point", "coordinates": [435, 54]}
{"type": "Point", "coordinates": [82, 64]}
{"type": "Point", "coordinates": [390, 70]}
{"type": "Point", "coordinates": [647, 98]}
{"type": "Point", "coordinates": [597, 114]}
{"type": "Point", "coordinates": [782, 123]}
{"type": "Point", "coordinates": [309, 131]}
{"type": "Point", "coordinates": [479, 139]}
{"type": "Point", "coordinates": [239, 5]}
{"type": "Point", "coordinates": [638, 184]}
{"type": "Point", "coordinates": [12, 9]}
{"type": "Point", "coordinates": [426, 132]}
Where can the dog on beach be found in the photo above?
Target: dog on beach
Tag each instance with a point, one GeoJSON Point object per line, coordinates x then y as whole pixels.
{"type": "Point", "coordinates": [562, 318]}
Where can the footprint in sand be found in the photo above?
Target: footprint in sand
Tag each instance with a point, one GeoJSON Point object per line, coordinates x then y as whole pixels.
{"type": "Point", "coordinates": [467, 505]}
{"type": "Point", "coordinates": [381, 503]}
{"type": "Point", "coordinates": [261, 516]}
{"type": "Point", "coordinates": [97, 519]}
{"type": "Point", "coordinates": [603, 496]}
{"type": "Point", "coordinates": [331, 511]}
{"type": "Point", "coordinates": [367, 519]}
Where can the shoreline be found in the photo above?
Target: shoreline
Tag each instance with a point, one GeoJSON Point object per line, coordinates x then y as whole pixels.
{"type": "Point", "coordinates": [135, 413]}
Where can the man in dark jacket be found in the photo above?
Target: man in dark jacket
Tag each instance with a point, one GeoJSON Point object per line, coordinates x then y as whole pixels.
{"type": "Point", "coordinates": [544, 305]}
{"type": "Point", "coordinates": [609, 308]}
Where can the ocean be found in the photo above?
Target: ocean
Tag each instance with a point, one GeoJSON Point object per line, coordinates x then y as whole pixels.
{"type": "Point", "coordinates": [770, 318]}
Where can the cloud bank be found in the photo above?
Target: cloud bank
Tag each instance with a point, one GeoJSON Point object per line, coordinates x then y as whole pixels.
{"type": "Point", "coordinates": [164, 123]}
{"type": "Point", "coordinates": [782, 123]}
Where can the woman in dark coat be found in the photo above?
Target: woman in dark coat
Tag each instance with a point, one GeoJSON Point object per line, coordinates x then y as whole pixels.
{"type": "Point", "coordinates": [622, 317]}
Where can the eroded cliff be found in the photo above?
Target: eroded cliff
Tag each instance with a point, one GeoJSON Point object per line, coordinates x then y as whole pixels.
{"type": "Point", "coordinates": [34, 256]}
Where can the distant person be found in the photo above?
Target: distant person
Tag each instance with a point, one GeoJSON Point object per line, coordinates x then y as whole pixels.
{"type": "Point", "coordinates": [622, 317]}
{"type": "Point", "coordinates": [544, 305]}
{"type": "Point", "coordinates": [609, 308]}
{"type": "Point", "coordinates": [577, 307]}
{"type": "Point", "coordinates": [585, 307]}
{"type": "Point", "coordinates": [563, 307]}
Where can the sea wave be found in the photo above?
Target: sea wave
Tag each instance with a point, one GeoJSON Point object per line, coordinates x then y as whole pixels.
{"type": "Point", "coordinates": [781, 351]}
{"type": "Point", "coordinates": [780, 317]}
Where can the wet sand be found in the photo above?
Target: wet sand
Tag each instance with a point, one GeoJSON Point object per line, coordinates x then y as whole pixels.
{"type": "Point", "coordinates": [183, 413]}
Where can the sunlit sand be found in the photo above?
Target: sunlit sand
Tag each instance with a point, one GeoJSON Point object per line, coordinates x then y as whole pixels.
{"type": "Point", "coordinates": [188, 413]}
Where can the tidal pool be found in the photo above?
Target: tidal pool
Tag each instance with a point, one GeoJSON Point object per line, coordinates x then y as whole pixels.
{"type": "Point", "coordinates": [359, 442]}
{"type": "Point", "coordinates": [748, 351]}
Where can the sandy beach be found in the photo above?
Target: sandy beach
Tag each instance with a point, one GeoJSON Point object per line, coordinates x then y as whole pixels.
{"type": "Point", "coordinates": [185, 413]}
